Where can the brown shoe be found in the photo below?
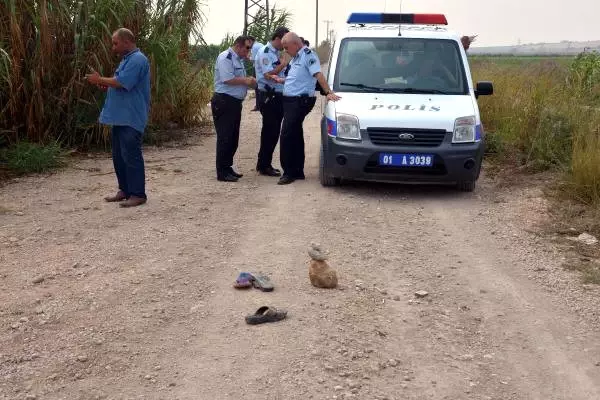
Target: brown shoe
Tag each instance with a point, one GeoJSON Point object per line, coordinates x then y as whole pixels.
{"type": "Point", "coordinates": [120, 196]}
{"type": "Point", "coordinates": [133, 202]}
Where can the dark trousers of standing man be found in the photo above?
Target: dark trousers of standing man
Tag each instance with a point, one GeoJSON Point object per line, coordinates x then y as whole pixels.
{"type": "Point", "coordinates": [227, 116]}
{"type": "Point", "coordinates": [270, 105]}
{"type": "Point", "coordinates": [128, 161]}
{"type": "Point", "coordinates": [256, 100]}
{"type": "Point", "coordinates": [295, 110]}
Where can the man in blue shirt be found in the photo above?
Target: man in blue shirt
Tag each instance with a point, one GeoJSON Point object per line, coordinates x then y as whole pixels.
{"type": "Point", "coordinates": [231, 87]}
{"type": "Point", "coordinates": [269, 74]}
{"type": "Point", "coordinates": [298, 101]}
{"type": "Point", "coordinates": [126, 109]}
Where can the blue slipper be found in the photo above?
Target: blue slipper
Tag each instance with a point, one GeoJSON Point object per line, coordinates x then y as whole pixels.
{"type": "Point", "coordinates": [244, 280]}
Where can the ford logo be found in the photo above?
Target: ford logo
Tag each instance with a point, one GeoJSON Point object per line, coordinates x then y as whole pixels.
{"type": "Point", "coordinates": [406, 136]}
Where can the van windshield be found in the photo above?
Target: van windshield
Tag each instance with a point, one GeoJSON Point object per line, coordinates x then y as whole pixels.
{"type": "Point", "coordinates": [400, 65]}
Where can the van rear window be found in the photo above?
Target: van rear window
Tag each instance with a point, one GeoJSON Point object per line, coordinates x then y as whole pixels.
{"type": "Point", "coordinates": [400, 65]}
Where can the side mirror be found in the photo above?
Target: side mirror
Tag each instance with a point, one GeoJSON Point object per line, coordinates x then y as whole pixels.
{"type": "Point", "coordinates": [484, 89]}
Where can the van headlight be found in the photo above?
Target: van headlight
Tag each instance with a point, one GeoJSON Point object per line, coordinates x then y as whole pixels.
{"type": "Point", "coordinates": [464, 130]}
{"type": "Point", "coordinates": [348, 127]}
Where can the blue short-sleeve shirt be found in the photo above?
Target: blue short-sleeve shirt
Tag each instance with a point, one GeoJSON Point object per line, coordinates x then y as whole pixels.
{"type": "Point", "coordinates": [228, 66]}
{"type": "Point", "coordinates": [256, 48]}
{"type": "Point", "coordinates": [266, 61]}
{"type": "Point", "coordinates": [301, 79]}
{"type": "Point", "coordinates": [129, 105]}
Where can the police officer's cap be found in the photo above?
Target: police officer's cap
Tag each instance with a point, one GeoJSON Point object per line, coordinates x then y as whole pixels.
{"type": "Point", "coordinates": [279, 33]}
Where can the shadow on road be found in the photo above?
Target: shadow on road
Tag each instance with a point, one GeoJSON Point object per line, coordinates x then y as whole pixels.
{"type": "Point", "coordinates": [397, 190]}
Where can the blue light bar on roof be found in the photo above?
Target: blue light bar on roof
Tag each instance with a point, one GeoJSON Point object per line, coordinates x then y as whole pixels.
{"type": "Point", "coordinates": [365, 18]}
{"type": "Point", "coordinates": [383, 18]}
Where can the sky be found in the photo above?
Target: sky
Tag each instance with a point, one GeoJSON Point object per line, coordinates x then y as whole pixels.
{"type": "Point", "coordinates": [497, 22]}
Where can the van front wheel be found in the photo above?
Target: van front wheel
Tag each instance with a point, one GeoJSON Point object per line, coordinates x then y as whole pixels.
{"type": "Point", "coordinates": [324, 178]}
{"type": "Point", "coordinates": [466, 186]}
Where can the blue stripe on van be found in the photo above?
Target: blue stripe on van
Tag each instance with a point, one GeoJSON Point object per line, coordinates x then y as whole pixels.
{"type": "Point", "coordinates": [331, 128]}
{"type": "Point", "coordinates": [478, 132]}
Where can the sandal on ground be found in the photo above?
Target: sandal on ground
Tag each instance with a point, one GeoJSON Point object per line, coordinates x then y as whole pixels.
{"type": "Point", "coordinates": [244, 280]}
{"type": "Point", "coordinates": [266, 314]}
{"type": "Point", "coordinates": [262, 282]}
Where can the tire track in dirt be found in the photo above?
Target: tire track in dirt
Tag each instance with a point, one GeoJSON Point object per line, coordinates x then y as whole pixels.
{"type": "Point", "coordinates": [542, 351]}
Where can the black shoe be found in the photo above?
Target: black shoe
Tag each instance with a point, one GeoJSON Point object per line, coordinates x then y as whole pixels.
{"type": "Point", "coordinates": [232, 172]}
{"type": "Point", "coordinates": [269, 171]}
{"type": "Point", "coordinates": [227, 178]}
{"type": "Point", "coordinates": [269, 167]}
{"type": "Point", "coordinates": [286, 180]}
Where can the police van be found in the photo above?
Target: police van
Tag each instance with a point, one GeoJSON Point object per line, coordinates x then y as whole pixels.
{"type": "Point", "coordinates": [408, 110]}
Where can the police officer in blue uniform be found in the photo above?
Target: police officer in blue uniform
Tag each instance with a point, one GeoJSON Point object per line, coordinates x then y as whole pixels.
{"type": "Point", "coordinates": [298, 101]}
{"type": "Point", "coordinates": [306, 42]}
{"type": "Point", "coordinates": [256, 48]}
{"type": "Point", "coordinates": [231, 87]}
{"type": "Point", "coordinates": [270, 78]}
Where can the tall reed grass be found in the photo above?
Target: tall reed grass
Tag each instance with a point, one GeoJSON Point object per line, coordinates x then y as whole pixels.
{"type": "Point", "coordinates": [545, 114]}
{"type": "Point", "coordinates": [47, 47]}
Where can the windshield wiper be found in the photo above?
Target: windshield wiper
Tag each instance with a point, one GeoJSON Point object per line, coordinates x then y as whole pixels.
{"type": "Point", "coordinates": [420, 91]}
{"type": "Point", "coordinates": [361, 86]}
{"type": "Point", "coordinates": [395, 90]}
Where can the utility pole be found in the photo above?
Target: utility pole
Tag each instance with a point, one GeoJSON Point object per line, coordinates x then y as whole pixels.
{"type": "Point", "coordinates": [316, 24]}
{"type": "Point", "coordinates": [245, 18]}
{"type": "Point", "coordinates": [328, 31]}
{"type": "Point", "coordinates": [251, 9]}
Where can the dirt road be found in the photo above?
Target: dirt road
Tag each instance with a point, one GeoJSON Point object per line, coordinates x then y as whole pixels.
{"type": "Point", "coordinates": [98, 302]}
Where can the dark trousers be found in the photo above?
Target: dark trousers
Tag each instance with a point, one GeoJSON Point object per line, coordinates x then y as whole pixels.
{"type": "Point", "coordinates": [271, 108]}
{"type": "Point", "coordinates": [295, 110]}
{"type": "Point", "coordinates": [128, 160]}
{"type": "Point", "coordinates": [227, 115]}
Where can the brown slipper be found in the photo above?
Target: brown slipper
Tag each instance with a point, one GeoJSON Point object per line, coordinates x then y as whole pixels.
{"type": "Point", "coordinates": [266, 314]}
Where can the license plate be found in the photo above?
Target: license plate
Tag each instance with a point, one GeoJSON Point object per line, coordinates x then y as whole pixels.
{"type": "Point", "coordinates": [406, 160]}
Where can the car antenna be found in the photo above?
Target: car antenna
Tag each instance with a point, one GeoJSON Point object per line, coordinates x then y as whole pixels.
{"type": "Point", "coordinates": [400, 20]}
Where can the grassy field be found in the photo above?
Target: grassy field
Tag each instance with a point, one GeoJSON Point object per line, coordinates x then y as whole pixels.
{"type": "Point", "coordinates": [521, 60]}
{"type": "Point", "coordinates": [545, 114]}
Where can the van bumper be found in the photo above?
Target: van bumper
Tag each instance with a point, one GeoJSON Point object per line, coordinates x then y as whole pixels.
{"type": "Point", "coordinates": [359, 160]}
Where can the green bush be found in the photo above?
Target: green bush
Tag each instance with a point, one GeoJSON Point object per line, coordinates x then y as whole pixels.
{"type": "Point", "coordinates": [584, 76]}
{"type": "Point", "coordinates": [26, 157]}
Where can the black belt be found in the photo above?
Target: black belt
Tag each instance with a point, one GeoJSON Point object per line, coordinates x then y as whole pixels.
{"type": "Point", "coordinates": [302, 96]}
{"type": "Point", "coordinates": [228, 97]}
{"type": "Point", "coordinates": [270, 93]}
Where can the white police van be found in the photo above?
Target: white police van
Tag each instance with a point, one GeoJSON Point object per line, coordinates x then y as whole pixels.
{"type": "Point", "coordinates": [408, 110]}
